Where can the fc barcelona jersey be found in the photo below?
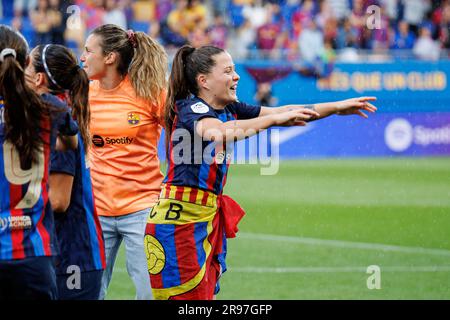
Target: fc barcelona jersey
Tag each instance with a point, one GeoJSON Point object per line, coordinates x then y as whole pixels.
{"type": "Point", "coordinates": [78, 229]}
{"type": "Point", "coordinates": [196, 163]}
{"type": "Point", "coordinates": [26, 219]}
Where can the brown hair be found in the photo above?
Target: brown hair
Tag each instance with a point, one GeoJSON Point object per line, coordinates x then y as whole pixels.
{"type": "Point", "coordinates": [187, 64]}
{"type": "Point", "coordinates": [140, 56]}
{"type": "Point", "coordinates": [23, 108]}
{"type": "Point", "coordinates": [63, 73]}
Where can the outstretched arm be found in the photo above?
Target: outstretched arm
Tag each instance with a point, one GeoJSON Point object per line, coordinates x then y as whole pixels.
{"type": "Point", "coordinates": [343, 107]}
{"type": "Point", "coordinates": [213, 129]}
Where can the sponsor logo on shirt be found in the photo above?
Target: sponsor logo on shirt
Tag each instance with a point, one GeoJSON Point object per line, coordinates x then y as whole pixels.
{"type": "Point", "coordinates": [99, 141]}
{"type": "Point", "coordinates": [200, 107]}
{"type": "Point", "coordinates": [15, 223]}
{"type": "Point", "coordinates": [133, 118]}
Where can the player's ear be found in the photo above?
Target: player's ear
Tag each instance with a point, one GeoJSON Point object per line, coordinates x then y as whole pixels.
{"type": "Point", "coordinates": [111, 58]}
{"type": "Point", "coordinates": [202, 81]}
{"type": "Point", "coordinates": [40, 79]}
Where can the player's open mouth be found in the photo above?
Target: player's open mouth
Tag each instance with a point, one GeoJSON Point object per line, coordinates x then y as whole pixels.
{"type": "Point", "coordinates": [233, 88]}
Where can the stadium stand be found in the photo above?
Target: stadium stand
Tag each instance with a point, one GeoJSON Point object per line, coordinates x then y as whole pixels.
{"type": "Point", "coordinates": [338, 29]}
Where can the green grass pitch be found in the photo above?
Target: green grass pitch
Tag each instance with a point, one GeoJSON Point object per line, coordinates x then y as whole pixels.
{"type": "Point", "coordinates": [312, 230]}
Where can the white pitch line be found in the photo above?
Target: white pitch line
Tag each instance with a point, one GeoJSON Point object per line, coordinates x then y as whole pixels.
{"type": "Point", "coordinates": [344, 244]}
{"type": "Point", "coordinates": [337, 269]}
{"type": "Point", "coordinates": [402, 269]}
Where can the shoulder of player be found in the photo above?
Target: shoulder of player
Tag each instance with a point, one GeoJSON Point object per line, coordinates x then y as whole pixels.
{"type": "Point", "coordinates": [54, 101]}
{"type": "Point", "coordinates": [193, 105]}
{"type": "Point", "coordinates": [123, 97]}
{"type": "Point", "coordinates": [232, 107]}
{"type": "Point", "coordinates": [124, 90]}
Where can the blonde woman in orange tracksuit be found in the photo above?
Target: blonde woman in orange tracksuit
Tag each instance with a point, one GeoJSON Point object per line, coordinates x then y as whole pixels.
{"type": "Point", "coordinates": [126, 96]}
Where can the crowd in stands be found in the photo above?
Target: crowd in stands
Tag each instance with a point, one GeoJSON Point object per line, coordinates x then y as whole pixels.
{"type": "Point", "coordinates": [287, 29]}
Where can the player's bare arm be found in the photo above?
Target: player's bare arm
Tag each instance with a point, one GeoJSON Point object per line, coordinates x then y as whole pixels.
{"type": "Point", "coordinates": [323, 110]}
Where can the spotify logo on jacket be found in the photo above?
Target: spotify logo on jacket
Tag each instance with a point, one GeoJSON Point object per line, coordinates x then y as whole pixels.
{"type": "Point", "coordinates": [99, 141]}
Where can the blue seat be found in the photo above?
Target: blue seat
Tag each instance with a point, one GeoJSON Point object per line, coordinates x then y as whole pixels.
{"type": "Point", "coordinates": [140, 26]}
{"type": "Point", "coordinates": [26, 24]}
{"type": "Point", "coordinates": [6, 20]}
{"type": "Point", "coordinates": [28, 30]}
{"type": "Point", "coordinates": [72, 44]}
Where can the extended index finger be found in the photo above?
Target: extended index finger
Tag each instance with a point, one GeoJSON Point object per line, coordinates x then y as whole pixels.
{"type": "Point", "coordinates": [362, 99]}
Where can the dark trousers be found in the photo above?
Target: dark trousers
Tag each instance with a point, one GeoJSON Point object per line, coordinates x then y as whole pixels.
{"type": "Point", "coordinates": [28, 279]}
{"type": "Point", "coordinates": [87, 289]}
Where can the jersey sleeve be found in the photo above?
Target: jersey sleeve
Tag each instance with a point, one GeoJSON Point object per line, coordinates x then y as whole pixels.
{"type": "Point", "coordinates": [63, 162]}
{"type": "Point", "coordinates": [65, 123]}
{"type": "Point", "coordinates": [190, 114]}
{"type": "Point", "coordinates": [246, 111]}
{"type": "Point", "coordinates": [61, 116]}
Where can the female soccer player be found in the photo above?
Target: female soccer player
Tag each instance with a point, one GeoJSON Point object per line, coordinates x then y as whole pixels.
{"type": "Point", "coordinates": [187, 229]}
{"type": "Point", "coordinates": [126, 96]}
{"type": "Point", "coordinates": [54, 69]}
{"type": "Point", "coordinates": [27, 135]}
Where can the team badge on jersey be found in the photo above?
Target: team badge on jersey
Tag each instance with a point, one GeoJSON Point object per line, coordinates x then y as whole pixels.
{"type": "Point", "coordinates": [133, 118]}
{"type": "Point", "coordinates": [200, 107]}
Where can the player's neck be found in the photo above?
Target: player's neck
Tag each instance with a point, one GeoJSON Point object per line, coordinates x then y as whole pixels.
{"type": "Point", "coordinates": [212, 102]}
{"type": "Point", "coordinates": [111, 80]}
{"type": "Point", "coordinates": [41, 90]}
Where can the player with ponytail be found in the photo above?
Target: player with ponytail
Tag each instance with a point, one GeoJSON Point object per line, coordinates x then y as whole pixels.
{"type": "Point", "coordinates": [187, 229]}
{"type": "Point", "coordinates": [127, 97]}
{"type": "Point", "coordinates": [54, 71]}
{"type": "Point", "coordinates": [28, 133]}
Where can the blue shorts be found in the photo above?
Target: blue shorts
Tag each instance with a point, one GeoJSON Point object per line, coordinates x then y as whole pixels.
{"type": "Point", "coordinates": [89, 286]}
{"type": "Point", "coordinates": [28, 279]}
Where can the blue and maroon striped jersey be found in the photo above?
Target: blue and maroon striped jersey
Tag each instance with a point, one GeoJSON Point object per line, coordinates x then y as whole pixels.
{"type": "Point", "coordinates": [196, 163]}
{"type": "Point", "coordinates": [26, 218]}
{"type": "Point", "coordinates": [78, 230]}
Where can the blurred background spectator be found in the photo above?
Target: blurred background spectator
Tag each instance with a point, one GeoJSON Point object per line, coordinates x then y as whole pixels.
{"type": "Point", "coordinates": [425, 47]}
{"type": "Point", "coordinates": [218, 31]}
{"type": "Point", "coordinates": [42, 24]}
{"type": "Point", "coordinates": [114, 14]}
{"type": "Point", "coordinates": [302, 31]}
{"type": "Point", "coordinates": [414, 12]}
{"type": "Point", "coordinates": [403, 37]}
{"type": "Point", "coordinates": [264, 96]}
{"type": "Point", "coordinates": [311, 43]}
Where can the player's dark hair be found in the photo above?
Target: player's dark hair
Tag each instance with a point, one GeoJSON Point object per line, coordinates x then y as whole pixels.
{"type": "Point", "coordinates": [187, 64]}
{"type": "Point", "coordinates": [63, 74]}
{"type": "Point", "coordinates": [23, 108]}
